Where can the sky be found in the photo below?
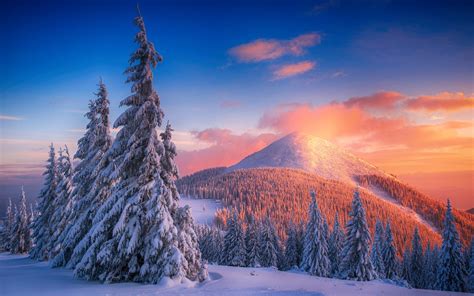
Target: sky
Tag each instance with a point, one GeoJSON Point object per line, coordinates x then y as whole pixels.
{"type": "Point", "coordinates": [391, 81]}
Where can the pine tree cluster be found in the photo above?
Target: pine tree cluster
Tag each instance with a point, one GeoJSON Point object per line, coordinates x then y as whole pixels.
{"type": "Point", "coordinates": [115, 216]}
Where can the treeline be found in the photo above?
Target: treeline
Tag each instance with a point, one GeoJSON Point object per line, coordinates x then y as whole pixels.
{"type": "Point", "coordinates": [281, 195]}
{"type": "Point", "coordinates": [431, 210]}
{"type": "Point", "coordinates": [15, 234]}
{"type": "Point", "coordinates": [350, 253]}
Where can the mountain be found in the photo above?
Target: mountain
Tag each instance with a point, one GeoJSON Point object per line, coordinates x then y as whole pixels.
{"type": "Point", "coordinates": [311, 154]}
{"type": "Point", "coordinates": [470, 211]}
{"type": "Point", "coordinates": [275, 182]}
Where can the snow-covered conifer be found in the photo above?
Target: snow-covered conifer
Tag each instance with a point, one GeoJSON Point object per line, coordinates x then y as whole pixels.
{"type": "Point", "coordinates": [429, 272]}
{"type": "Point", "coordinates": [336, 241]}
{"type": "Point", "coordinates": [405, 266]}
{"type": "Point", "coordinates": [389, 254]}
{"type": "Point", "coordinates": [416, 261]}
{"type": "Point", "coordinates": [21, 236]}
{"type": "Point", "coordinates": [42, 230]}
{"type": "Point", "coordinates": [377, 249]}
{"type": "Point", "coordinates": [252, 243]}
{"type": "Point", "coordinates": [192, 268]}
{"type": "Point", "coordinates": [452, 273]}
{"type": "Point", "coordinates": [470, 278]}
{"type": "Point", "coordinates": [6, 232]}
{"type": "Point", "coordinates": [234, 243]}
{"type": "Point", "coordinates": [315, 250]}
{"type": "Point", "coordinates": [134, 236]}
{"type": "Point", "coordinates": [15, 231]}
{"type": "Point", "coordinates": [91, 183]}
{"type": "Point", "coordinates": [63, 203]}
{"type": "Point", "coordinates": [356, 263]}
{"type": "Point", "coordinates": [291, 247]}
{"type": "Point", "coordinates": [269, 245]}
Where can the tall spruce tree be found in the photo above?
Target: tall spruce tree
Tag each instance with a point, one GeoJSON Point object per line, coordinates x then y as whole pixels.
{"type": "Point", "coordinates": [269, 245]}
{"type": "Point", "coordinates": [405, 266]}
{"type": "Point", "coordinates": [452, 274]}
{"type": "Point", "coordinates": [42, 229]}
{"type": "Point", "coordinates": [291, 247]}
{"type": "Point", "coordinates": [336, 241]}
{"type": "Point", "coordinates": [416, 261]}
{"type": "Point", "coordinates": [21, 236]}
{"type": "Point", "coordinates": [6, 231]}
{"type": "Point", "coordinates": [252, 246]}
{"type": "Point", "coordinates": [389, 254]}
{"type": "Point", "coordinates": [315, 251]}
{"type": "Point", "coordinates": [91, 182]}
{"type": "Point", "coordinates": [470, 278]}
{"type": "Point", "coordinates": [135, 236]}
{"type": "Point", "coordinates": [377, 249]}
{"type": "Point", "coordinates": [356, 263]}
{"type": "Point", "coordinates": [429, 275]}
{"type": "Point", "coordinates": [234, 243]}
{"type": "Point", "coordinates": [63, 203]}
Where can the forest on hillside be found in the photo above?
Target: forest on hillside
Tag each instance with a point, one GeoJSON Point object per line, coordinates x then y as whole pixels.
{"type": "Point", "coordinates": [282, 195]}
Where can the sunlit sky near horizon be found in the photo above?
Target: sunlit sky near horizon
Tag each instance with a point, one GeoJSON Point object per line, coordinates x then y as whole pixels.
{"type": "Point", "coordinates": [392, 81]}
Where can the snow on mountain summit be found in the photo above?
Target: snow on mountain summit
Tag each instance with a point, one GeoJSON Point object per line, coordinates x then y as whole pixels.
{"type": "Point", "coordinates": [312, 154]}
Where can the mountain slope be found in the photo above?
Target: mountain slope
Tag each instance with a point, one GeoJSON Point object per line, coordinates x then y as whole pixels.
{"type": "Point", "coordinates": [311, 154]}
{"type": "Point", "coordinates": [276, 181]}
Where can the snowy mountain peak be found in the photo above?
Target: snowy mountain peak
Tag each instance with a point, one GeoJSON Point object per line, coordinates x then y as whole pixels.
{"type": "Point", "coordinates": [312, 154]}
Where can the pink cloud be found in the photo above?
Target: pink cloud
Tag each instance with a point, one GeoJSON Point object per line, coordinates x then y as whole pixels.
{"type": "Point", "coordinates": [293, 69]}
{"type": "Point", "coordinates": [226, 149]}
{"type": "Point", "coordinates": [381, 100]}
{"type": "Point", "coordinates": [444, 101]}
{"type": "Point", "coordinates": [269, 49]}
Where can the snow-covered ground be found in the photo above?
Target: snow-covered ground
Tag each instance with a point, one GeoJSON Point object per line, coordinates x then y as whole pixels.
{"type": "Point", "coordinates": [202, 209]}
{"type": "Point", "coordinates": [22, 276]}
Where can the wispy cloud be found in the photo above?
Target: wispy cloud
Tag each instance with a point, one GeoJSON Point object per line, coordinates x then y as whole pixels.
{"type": "Point", "coordinates": [269, 49]}
{"type": "Point", "coordinates": [293, 69]}
{"type": "Point", "coordinates": [445, 101]}
{"type": "Point", "coordinates": [10, 118]}
{"type": "Point", "coordinates": [229, 104]}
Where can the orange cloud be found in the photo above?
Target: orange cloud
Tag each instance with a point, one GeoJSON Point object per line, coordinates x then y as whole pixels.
{"type": "Point", "coordinates": [269, 49]}
{"type": "Point", "coordinates": [226, 149]}
{"type": "Point", "coordinates": [445, 101]}
{"type": "Point", "coordinates": [380, 100]}
{"type": "Point", "coordinates": [293, 69]}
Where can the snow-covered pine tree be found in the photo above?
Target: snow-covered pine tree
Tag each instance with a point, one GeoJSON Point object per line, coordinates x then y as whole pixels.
{"type": "Point", "coordinates": [217, 244]}
{"type": "Point", "coordinates": [405, 266]}
{"type": "Point", "coordinates": [335, 243]}
{"type": "Point", "coordinates": [315, 251]}
{"type": "Point", "coordinates": [356, 263]}
{"type": "Point", "coordinates": [252, 243]}
{"type": "Point", "coordinates": [22, 234]}
{"type": "Point", "coordinates": [15, 231]}
{"type": "Point", "coordinates": [452, 273]}
{"type": "Point", "coordinates": [134, 237]}
{"type": "Point", "coordinates": [434, 267]}
{"type": "Point", "coordinates": [269, 245]}
{"type": "Point", "coordinates": [428, 271]}
{"type": "Point", "coordinates": [470, 278]}
{"type": "Point", "coordinates": [291, 247]}
{"type": "Point", "coordinates": [6, 231]}
{"type": "Point", "coordinates": [234, 243]}
{"type": "Point", "coordinates": [416, 261]}
{"type": "Point", "coordinates": [42, 230]}
{"type": "Point", "coordinates": [188, 244]}
{"type": "Point", "coordinates": [63, 204]}
{"type": "Point", "coordinates": [389, 254]}
{"type": "Point", "coordinates": [377, 247]}
{"type": "Point", "coordinates": [90, 179]}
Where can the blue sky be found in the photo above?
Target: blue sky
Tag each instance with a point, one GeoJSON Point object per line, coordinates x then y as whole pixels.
{"type": "Point", "coordinates": [53, 53]}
